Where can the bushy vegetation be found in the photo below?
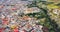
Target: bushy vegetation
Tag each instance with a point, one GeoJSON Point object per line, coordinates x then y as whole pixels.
{"type": "Point", "coordinates": [49, 23]}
